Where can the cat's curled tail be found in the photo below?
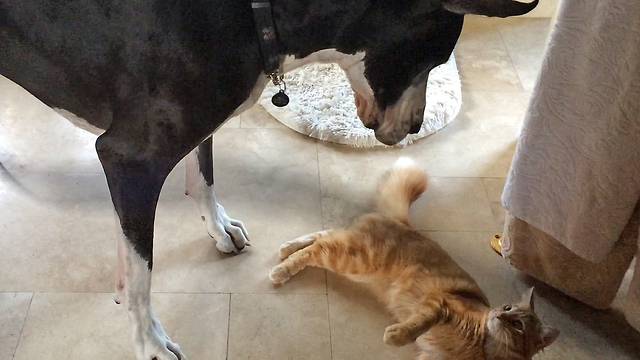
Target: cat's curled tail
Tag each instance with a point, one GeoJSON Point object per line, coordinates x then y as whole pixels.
{"type": "Point", "coordinates": [402, 185]}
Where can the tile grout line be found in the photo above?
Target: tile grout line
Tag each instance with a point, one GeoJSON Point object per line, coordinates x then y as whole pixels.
{"type": "Point", "coordinates": [326, 282]}
{"type": "Point", "coordinates": [511, 60]}
{"type": "Point", "coordinates": [228, 328]}
{"type": "Point", "coordinates": [319, 185]}
{"type": "Point", "coordinates": [486, 194]}
{"type": "Point", "coordinates": [329, 318]}
{"type": "Point", "coordinates": [33, 294]}
{"type": "Point", "coordinates": [326, 275]}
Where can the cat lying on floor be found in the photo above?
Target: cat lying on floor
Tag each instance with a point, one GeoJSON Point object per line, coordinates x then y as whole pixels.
{"type": "Point", "coordinates": [437, 304]}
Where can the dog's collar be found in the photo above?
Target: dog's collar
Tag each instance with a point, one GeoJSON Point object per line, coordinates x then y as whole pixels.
{"type": "Point", "coordinates": [267, 36]}
{"type": "Point", "coordinates": [268, 39]}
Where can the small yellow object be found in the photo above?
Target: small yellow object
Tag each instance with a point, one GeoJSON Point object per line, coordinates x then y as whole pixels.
{"type": "Point", "coordinates": [496, 243]}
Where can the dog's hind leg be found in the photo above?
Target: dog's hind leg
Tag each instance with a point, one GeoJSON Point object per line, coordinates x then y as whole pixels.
{"type": "Point", "coordinates": [230, 235]}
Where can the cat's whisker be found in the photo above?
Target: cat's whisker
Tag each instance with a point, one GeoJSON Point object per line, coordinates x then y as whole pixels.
{"type": "Point", "coordinates": [506, 342]}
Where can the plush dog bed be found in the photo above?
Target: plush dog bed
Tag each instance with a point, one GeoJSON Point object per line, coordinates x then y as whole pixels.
{"type": "Point", "coordinates": [322, 104]}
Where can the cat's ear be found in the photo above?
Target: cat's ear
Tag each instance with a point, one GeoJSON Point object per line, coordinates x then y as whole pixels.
{"type": "Point", "coordinates": [548, 335]}
{"type": "Point", "coordinates": [528, 298]}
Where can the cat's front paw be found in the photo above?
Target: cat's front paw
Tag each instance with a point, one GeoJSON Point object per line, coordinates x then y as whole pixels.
{"type": "Point", "coordinates": [279, 274]}
{"type": "Point", "coordinates": [396, 335]}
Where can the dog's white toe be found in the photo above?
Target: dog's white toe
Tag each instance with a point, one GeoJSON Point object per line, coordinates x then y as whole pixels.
{"type": "Point", "coordinates": [155, 344]}
{"type": "Point", "coordinates": [230, 234]}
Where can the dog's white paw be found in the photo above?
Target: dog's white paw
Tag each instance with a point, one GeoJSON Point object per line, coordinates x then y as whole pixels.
{"type": "Point", "coordinates": [155, 344]}
{"type": "Point", "coordinates": [230, 235]}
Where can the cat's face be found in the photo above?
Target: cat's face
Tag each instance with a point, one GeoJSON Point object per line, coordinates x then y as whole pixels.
{"type": "Point", "coordinates": [516, 332]}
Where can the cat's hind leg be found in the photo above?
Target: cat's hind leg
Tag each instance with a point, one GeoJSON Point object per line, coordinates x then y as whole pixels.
{"type": "Point", "coordinates": [301, 242]}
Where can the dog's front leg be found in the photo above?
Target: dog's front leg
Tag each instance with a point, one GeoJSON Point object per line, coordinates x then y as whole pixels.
{"type": "Point", "coordinates": [149, 338]}
{"type": "Point", "coordinates": [135, 178]}
{"type": "Point", "coordinates": [230, 235]}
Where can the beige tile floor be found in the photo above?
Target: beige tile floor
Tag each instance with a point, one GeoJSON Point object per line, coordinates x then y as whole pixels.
{"type": "Point", "coordinates": [57, 252]}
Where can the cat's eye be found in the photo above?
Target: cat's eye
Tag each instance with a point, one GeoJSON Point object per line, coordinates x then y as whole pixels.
{"type": "Point", "coordinates": [507, 308]}
{"type": "Point", "coordinates": [517, 324]}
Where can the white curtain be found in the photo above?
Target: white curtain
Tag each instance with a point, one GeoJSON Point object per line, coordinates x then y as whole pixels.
{"type": "Point", "coordinates": [576, 171]}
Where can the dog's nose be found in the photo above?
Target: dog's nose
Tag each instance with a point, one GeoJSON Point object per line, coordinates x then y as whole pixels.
{"type": "Point", "coordinates": [374, 125]}
{"type": "Point", "coordinates": [415, 127]}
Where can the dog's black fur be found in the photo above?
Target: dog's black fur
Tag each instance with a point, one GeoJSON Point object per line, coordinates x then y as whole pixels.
{"type": "Point", "coordinates": [162, 75]}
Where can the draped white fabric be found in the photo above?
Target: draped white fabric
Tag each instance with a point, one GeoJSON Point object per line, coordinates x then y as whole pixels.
{"type": "Point", "coordinates": [576, 171]}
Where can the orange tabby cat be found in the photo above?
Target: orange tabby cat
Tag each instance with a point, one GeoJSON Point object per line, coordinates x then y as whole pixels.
{"type": "Point", "coordinates": [437, 304]}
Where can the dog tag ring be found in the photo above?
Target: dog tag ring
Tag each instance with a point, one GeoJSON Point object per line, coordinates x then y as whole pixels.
{"type": "Point", "coordinates": [280, 99]}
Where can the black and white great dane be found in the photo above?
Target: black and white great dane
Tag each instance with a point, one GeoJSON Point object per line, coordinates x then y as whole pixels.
{"type": "Point", "coordinates": [156, 78]}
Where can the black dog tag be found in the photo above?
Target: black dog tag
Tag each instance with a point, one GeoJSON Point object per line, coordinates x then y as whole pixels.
{"type": "Point", "coordinates": [280, 99]}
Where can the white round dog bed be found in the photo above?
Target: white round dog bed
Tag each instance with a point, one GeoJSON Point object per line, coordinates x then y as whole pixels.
{"type": "Point", "coordinates": [322, 104]}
